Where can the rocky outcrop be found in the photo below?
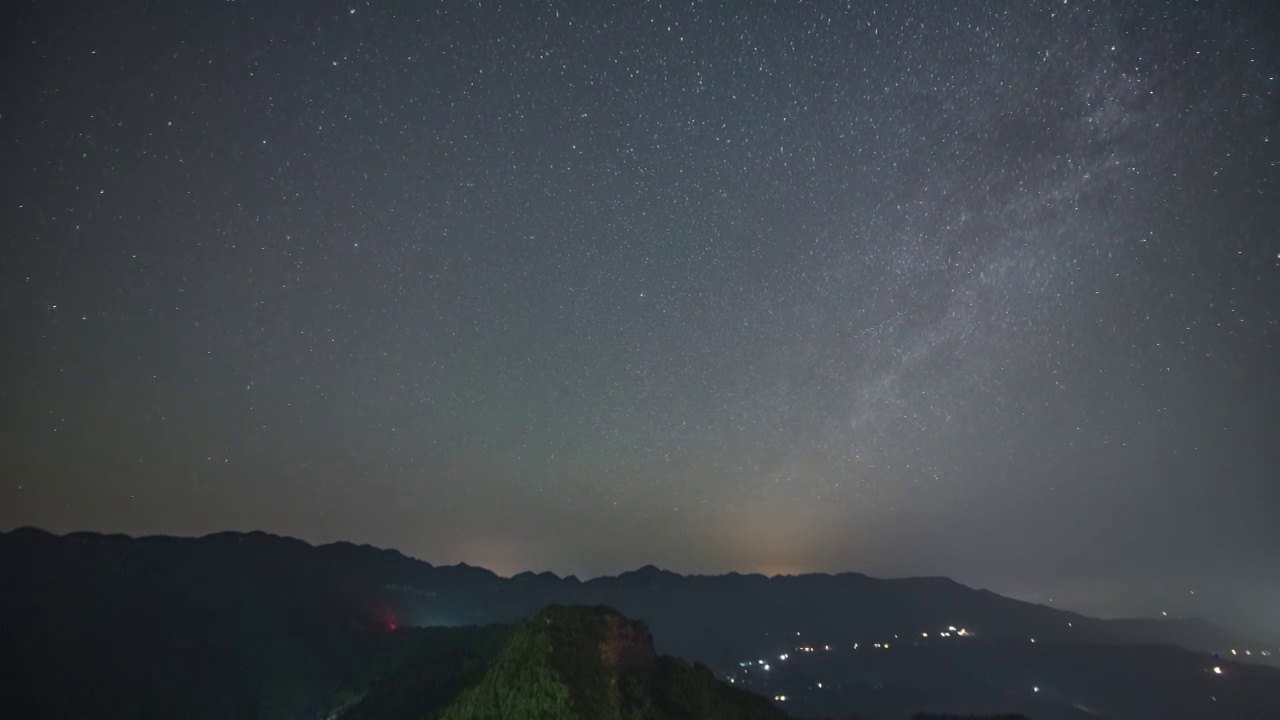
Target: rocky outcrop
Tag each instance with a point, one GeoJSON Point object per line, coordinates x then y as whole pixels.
{"type": "Point", "coordinates": [628, 645]}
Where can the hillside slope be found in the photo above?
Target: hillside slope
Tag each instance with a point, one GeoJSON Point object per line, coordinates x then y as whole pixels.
{"type": "Point", "coordinates": [570, 663]}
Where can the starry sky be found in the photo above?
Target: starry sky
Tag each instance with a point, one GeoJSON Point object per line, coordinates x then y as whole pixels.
{"type": "Point", "coordinates": [980, 289]}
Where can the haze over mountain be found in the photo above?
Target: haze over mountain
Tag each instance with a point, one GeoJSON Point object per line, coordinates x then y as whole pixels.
{"type": "Point", "coordinates": [283, 623]}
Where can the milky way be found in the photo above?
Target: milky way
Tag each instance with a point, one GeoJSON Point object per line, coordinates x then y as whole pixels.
{"type": "Point", "coordinates": [978, 289]}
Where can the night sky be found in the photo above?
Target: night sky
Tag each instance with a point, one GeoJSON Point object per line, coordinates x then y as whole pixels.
{"type": "Point", "coordinates": [986, 290]}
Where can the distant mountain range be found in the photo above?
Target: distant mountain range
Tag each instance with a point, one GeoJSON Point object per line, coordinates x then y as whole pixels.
{"type": "Point", "coordinates": [255, 625]}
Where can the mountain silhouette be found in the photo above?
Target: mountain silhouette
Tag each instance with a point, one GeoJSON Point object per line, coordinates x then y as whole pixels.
{"type": "Point", "coordinates": [260, 626]}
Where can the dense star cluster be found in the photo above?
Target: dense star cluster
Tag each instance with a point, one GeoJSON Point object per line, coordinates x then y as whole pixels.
{"type": "Point", "coordinates": [979, 289]}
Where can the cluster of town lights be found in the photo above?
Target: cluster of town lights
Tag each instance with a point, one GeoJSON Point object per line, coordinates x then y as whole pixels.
{"type": "Point", "coordinates": [949, 632]}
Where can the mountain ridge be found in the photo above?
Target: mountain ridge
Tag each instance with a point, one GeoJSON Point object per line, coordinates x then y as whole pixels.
{"type": "Point", "coordinates": [1138, 628]}
{"type": "Point", "coordinates": [271, 625]}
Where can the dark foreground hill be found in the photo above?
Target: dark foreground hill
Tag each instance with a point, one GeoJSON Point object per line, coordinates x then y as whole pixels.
{"type": "Point", "coordinates": [254, 625]}
{"type": "Point", "coordinates": [565, 663]}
